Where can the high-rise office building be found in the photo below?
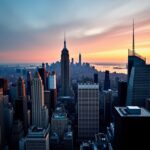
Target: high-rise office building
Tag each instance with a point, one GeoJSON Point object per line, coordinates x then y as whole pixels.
{"type": "Point", "coordinates": [47, 102]}
{"type": "Point", "coordinates": [65, 72]}
{"type": "Point", "coordinates": [39, 110]}
{"type": "Point", "coordinates": [131, 128]}
{"type": "Point", "coordinates": [4, 85]}
{"type": "Point", "coordinates": [138, 78]}
{"type": "Point", "coordinates": [59, 121]}
{"type": "Point", "coordinates": [53, 89]}
{"type": "Point", "coordinates": [36, 139]}
{"type": "Point", "coordinates": [42, 72]}
{"type": "Point", "coordinates": [21, 91]}
{"type": "Point", "coordinates": [21, 103]}
{"type": "Point", "coordinates": [88, 111]}
{"type": "Point", "coordinates": [134, 59]}
{"type": "Point", "coordinates": [95, 77]}
{"type": "Point", "coordinates": [122, 93]}
{"type": "Point", "coordinates": [2, 135]}
{"type": "Point", "coordinates": [80, 60]}
{"type": "Point", "coordinates": [16, 134]}
{"type": "Point", "coordinates": [29, 81]}
{"type": "Point", "coordinates": [106, 81]}
{"type": "Point", "coordinates": [107, 106]}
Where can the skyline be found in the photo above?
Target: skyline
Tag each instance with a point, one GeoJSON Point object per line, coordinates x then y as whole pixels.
{"type": "Point", "coordinates": [100, 30]}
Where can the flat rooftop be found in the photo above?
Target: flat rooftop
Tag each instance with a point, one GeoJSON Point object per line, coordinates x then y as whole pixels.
{"type": "Point", "coordinates": [123, 111]}
{"type": "Point", "coordinates": [88, 86]}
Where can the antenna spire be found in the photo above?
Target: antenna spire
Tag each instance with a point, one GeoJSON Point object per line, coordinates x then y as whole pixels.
{"type": "Point", "coordinates": [133, 42]}
{"type": "Point", "coordinates": [64, 40]}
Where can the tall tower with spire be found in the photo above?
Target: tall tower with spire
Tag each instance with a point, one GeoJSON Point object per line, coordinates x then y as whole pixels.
{"type": "Point", "coordinates": [65, 73]}
{"type": "Point", "coordinates": [131, 53]}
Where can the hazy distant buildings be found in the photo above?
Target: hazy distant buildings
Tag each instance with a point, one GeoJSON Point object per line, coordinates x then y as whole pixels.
{"type": "Point", "coordinates": [131, 128]}
{"type": "Point", "coordinates": [72, 61]}
{"type": "Point", "coordinates": [39, 110]}
{"type": "Point", "coordinates": [88, 111]}
{"type": "Point", "coordinates": [106, 81]}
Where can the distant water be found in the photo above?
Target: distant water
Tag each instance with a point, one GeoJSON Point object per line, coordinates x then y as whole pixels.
{"type": "Point", "coordinates": [118, 68]}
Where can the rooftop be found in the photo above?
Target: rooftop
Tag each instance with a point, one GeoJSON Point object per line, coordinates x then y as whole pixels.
{"type": "Point", "coordinates": [131, 53]}
{"type": "Point", "coordinates": [88, 86]}
{"type": "Point", "coordinates": [132, 111]}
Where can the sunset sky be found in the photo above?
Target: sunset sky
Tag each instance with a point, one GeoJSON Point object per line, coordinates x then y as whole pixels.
{"type": "Point", "coordinates": [32, 31]}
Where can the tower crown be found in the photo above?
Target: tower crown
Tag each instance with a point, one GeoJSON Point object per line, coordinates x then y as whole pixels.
{"type": "Point", "coordinates": [65, 50]}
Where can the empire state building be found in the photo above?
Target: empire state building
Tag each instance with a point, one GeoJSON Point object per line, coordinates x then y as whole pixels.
{"type": "Point", "coordinates": [65, 73]}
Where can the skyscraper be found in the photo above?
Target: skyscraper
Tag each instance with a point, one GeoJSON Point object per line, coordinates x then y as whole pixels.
{"type": "Point", "coordinates": [36, 139]}
{"type": "Point", "coordinates": [80, 60]}
{"type": "Point", "coordinates": [95, 77]}
{"type": "Point", "coordinates": [88, 111]}
{"type": "Point", "coordinates": [53, 89]}
{"type": "Point", "coordinates": [39, 111]}
{"type": "Point", "coordinates": [59, 121]}
{"type": "Point", "coordinates": [138, 78]}
{"type": "Point", "coordinates": [42, 72]}
{"type": "Point", "coordinates": [131, 128]}
{"type": "Point", "coordinates": [21, 91]}
{"type": "Point", "coordinates": [122, 93]}
{"type": "Point", "coordinates": [21, 103]}
{"type": "Point", "coordinates": [65, 72]}
{"type": "Point", "coordinates": [106, 81]}
{"type": "Point", "coordinates": [134, 59]}
{"type": "Point", "coordinates": [4, 85]}
{"type": "Point", "coordinates": [29, 80]}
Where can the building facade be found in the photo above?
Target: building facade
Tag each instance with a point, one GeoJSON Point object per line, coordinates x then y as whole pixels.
{"type": "Point", "coordinates": [88, 110]}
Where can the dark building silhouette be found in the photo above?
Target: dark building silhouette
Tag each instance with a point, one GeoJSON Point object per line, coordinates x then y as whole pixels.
{"type": "Point", "coordinates": [72, 61]}
{"type": "Point", "coordinates": [4, 85]}
{"type": "Point", "coordinates": [42, 72]}
{"type": "Point", "coordinates": [21, 104]}
{"type": "Point", "coordinates": [2, 133]}
{"type": "Point", "coordinates": [65, 72]}
{"type": "Point", "coordinates": [16, 135]}
{"type": "Point", "coordinates": [122, 93]}
{"type": "Point", "coordinates": [29, 81]}
{"type": "Point", "coordinates": [106, 81]}
{"type": "Point", "coordinates": [108, 98]}
{"type": "Point", "coordinates": [132, 127]}
{"type": "Point", "coordinates": [80, 59]}
{"type": "Point", "coordinates": [95, 77]}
